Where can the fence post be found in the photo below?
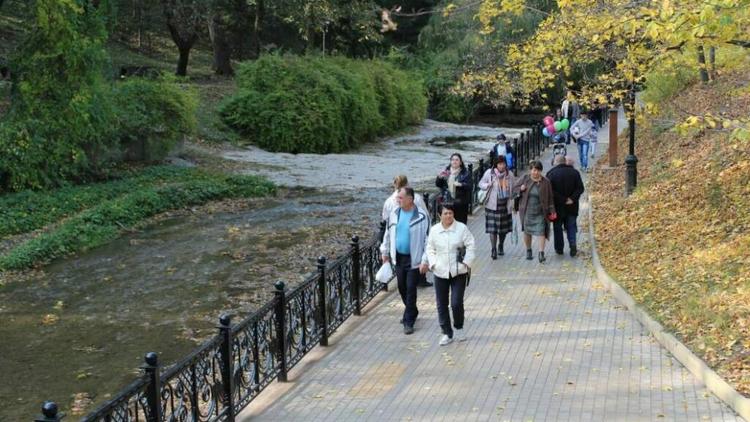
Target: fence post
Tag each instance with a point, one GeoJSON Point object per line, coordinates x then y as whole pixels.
{"type": "Point", "coordinates": [613, 131]}
{"type": "Point", "coordinates": [356, 279]}
{"type": "Point", "coordinates": [532, 147]}
{"type": "Point", "coordinates": [524, 157]}
{"type": "Point", "coordinates": [280, 310]}
{"type": "Point", "coordinates": [49, 413]}
{"type": "Point", "coordinates": [431, 206]}
{"type": "Point", "coordinates": [471, 196]}
{"type": "Point", "coordinates": [225, 331]}
{"type": "Point", "coordinates": [323, 319]}
{"type": "Point", "coordinates": [153, 390]}
{"type": "Point", "coordinates": [481, 167]}
{"type": "Point", "coordinates": [518, 155]}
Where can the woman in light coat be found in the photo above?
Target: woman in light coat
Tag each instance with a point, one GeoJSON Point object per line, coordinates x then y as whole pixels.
{"type": "Point", "coordinates": [498, 182]}
{"type": "Point", "coordinates": [451, 269]}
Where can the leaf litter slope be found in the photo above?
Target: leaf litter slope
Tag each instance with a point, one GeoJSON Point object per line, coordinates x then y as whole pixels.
{"type": "Point", "coordinates": [681, 243]}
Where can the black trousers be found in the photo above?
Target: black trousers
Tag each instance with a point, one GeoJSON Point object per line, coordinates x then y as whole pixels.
{"type": "Point", "coordinates": [455, 288]}
{"type": "Point", "coordinates": [407, 278]}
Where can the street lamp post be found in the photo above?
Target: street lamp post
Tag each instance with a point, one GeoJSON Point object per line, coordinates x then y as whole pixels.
{"type": "Point", "coordinates": [631, 161]}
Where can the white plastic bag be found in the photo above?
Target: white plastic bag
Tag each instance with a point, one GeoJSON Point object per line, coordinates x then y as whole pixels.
{"type": "Point", "coordinates": [385, 273]}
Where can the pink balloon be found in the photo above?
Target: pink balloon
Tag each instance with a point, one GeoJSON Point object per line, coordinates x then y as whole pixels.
{"type": "Point", "coordinates": [551, 128]}
{"type": "Point", "coordinates": [548, 120]}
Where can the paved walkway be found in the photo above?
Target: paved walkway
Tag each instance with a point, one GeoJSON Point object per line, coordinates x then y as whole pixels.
{"type": "Point", "coordinates": [545, 343]}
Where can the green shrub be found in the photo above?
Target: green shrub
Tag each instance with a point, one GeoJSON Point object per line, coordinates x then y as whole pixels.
{"type": "Point", "coordinates": [668, 80]}
{"type": "Point", "coordinates": [103, 222]}
{"type": "Point", "coordinates": [30, 210]}
{"type": "Point", "coordinates": [61, 119]}
{"type": "Point", "coordinates": [66, 121]}
{"type": "Point", "coordinates": [321, 104]}
{"type": "Point", "coordinates": [153, 116]}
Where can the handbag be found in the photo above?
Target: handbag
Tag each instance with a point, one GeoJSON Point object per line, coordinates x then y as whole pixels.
{"type": "Point", "coordinates": [482, 196]}
{"type": "Point", "coordinates": [385, 273]}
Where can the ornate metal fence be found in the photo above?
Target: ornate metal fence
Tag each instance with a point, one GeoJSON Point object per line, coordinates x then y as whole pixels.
{"type": "Point", "coordinates": [221, 377]}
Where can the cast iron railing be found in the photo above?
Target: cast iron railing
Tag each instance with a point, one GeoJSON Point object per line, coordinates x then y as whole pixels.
{"type": "Point", "coordinates": [222, 376]}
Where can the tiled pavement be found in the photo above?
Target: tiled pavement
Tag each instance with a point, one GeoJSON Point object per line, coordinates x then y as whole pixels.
{"type": "Point", "coordinates": [545, 342]}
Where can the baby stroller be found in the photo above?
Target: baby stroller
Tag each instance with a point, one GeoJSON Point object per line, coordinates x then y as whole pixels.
{"type": "Point", "coordinates": [558, 148]}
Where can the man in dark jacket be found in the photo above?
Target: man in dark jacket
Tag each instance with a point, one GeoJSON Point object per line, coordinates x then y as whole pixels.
{"type": "Point", "coordinates": [567, 188]}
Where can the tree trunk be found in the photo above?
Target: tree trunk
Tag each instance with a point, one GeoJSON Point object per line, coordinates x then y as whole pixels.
{"type": "Point", "coordinates": [182, 61]}
{"type": "Point", "coordinates": [184, 45]}
{"type": "Point", "coordinates": [186, 39]}
{"type": "Point", "coordinates": [702, 64]}
{"type": "Point", "coordinates": [222, 54]}
{"type": "Point", "coordinates": [260, 14]}
{"type": "Point", "coordinates": [712, 61]}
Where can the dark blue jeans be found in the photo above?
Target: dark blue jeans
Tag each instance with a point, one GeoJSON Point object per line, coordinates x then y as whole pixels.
{"type": "Point", "coordinates": [583, 153]}
{"type": "Point", "coordinates": [571, 228]}
{"type": "Point", "coordinates": [407, 278]}
{"type": "Point", "coordinates": [455, 286]}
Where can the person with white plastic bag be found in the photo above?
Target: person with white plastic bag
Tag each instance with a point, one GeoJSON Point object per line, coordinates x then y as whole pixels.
{"type": "Point", "coordinates": [403, 245]}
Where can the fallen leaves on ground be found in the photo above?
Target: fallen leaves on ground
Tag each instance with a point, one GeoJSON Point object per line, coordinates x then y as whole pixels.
{"type": "Point", "coordinates": [680, 244]}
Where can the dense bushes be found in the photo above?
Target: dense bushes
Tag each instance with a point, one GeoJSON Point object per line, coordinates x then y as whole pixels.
{"type": "Point", "coordinates": [66, 120]}
{"type": "Point", "coordinates": [107, 209]}
{"type": "Point", "coordinates": [321, 104]}
{"type": "Point", "coordinates": [152, 117]}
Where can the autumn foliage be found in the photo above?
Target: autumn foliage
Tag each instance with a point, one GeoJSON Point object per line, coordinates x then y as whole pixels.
{"type": "Point", "coordinates": [680, 244]}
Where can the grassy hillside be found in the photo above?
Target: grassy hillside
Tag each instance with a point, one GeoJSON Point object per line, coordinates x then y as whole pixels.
{"type": "Point", "coordinates": [681, 243]}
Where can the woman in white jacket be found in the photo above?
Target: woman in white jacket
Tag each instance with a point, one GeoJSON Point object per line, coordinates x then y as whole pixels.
{"type": "Point", "coordinates": [451, 269]}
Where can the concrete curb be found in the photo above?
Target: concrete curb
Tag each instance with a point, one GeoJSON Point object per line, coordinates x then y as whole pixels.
{"type": "Point", "coordinates": [714, 383]}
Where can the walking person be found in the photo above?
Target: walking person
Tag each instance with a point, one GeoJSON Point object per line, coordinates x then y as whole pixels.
{"type": "Point", "coordinates": [503, 149]}
{"type": "Point", "coordinates": [567, 188]}
{"type": "Point", "coordinates": [536, 208]}
{"type": "Point", "coordinates": [498, 182]}
{"type": "Point", "coordinates": [569, 110]}
{"type": "Point", "coordinates": [404, 245]}
{"type": "Point", "coordinates": [455, 184]}
{"type": "Point", "coordinates": [582, 130]}
{"type": "Point", "coordinates": [392, 203]}
{"type": "Point", "coordinates": [450, 255]}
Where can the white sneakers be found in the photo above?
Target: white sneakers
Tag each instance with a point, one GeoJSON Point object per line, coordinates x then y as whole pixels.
{"type": "Point", "coordinates": [458, 335]}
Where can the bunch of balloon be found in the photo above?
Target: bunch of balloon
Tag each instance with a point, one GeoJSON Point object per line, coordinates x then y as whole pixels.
{"type": "Point", "coordinates": [551, 126]}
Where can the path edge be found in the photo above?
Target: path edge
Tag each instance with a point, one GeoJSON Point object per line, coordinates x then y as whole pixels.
{"type": "Point", "coordinates": [714, 383]}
